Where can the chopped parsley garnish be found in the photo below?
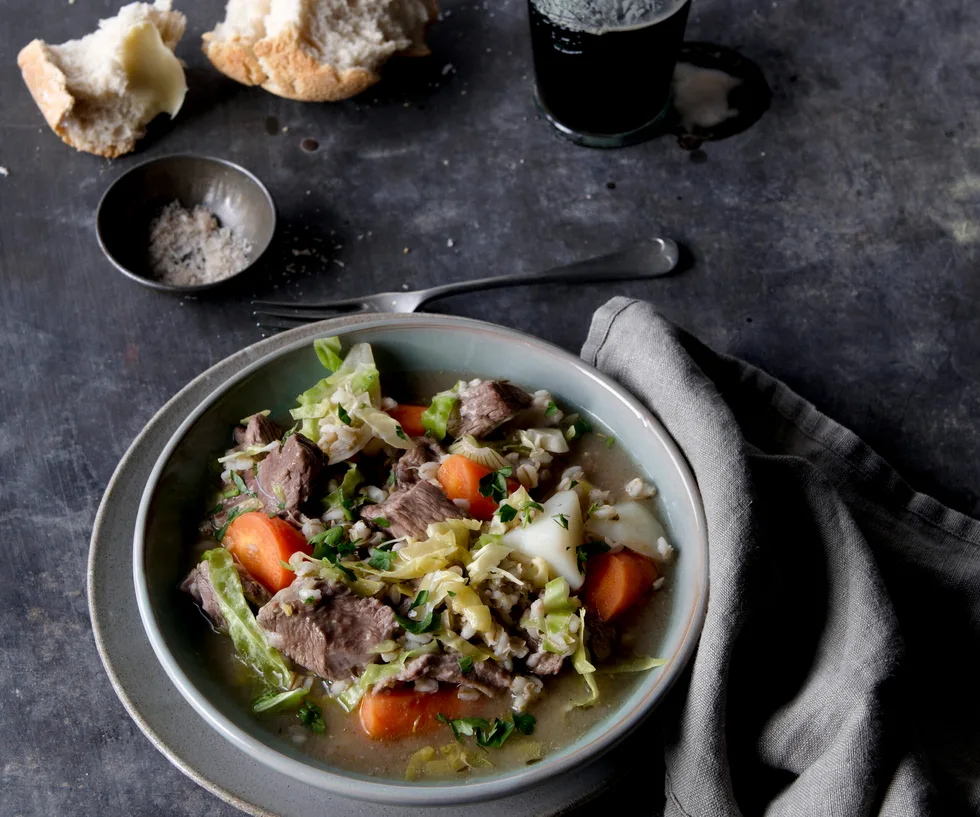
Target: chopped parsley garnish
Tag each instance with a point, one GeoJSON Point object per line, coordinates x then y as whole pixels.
{"type": "Point", "coordinates": [464, 727]}
{"type": "Point", "coordinates": [381, 522]}
{"type": "Point", "coordinates": [489, 734]}
{"type": "Point", "coordinates": [580, 427]}
{"type": "Point", "coordinates": [382, 559]}
{"type": "Point", "coordinates": [524, 722]}
{"type": "Point", "coordinates": [526, 511]}
{"type": "Point", "coordinates": [401, 433]}
{"type": "Point", "coordinates": [552, 409]}
{"type": "Point", "coordinates": [420, 599]}
{"type": "Point", "coordinates": [506, 513]}
{"type": "Point", "coordinates": [235, 513]}
{"type": "Point", "coordinates": [589, 549]}
{"type": "Point", "coordinates": [426, 625]}
{"type": "Point", "coordinates": [573, 484]}
{"type": "Point", "coordinates": [592, 508]}
{"type": "Point", "coordinates": [494, 484]}
{"type": "Point", "coordinates": [494, 737]}
{"type": "Point", "coordinates": [451, 594]}
{"type": "Point", "coordinates": [343, 415]}
{"type": "Point", "coordinates": [230, 492]}
{"type": "Point", "coordinates": [465, 664]}
{"type": "Point", "coordinates": [610, 442]}
{"type": "Point", "coordinates": [240, 484]}
{"type": "Point", "coordinates": [332, 546]}
{"type": "Point", "coordinates": [561, 519]}
{"type": "Point", "coordinates": [311, 716]}
{"type": "Point", "coordinates": [217, 509]}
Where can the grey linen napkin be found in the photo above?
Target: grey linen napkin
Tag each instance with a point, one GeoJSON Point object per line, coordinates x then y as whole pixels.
{"type": "Point", "coordinates": [834, 675]}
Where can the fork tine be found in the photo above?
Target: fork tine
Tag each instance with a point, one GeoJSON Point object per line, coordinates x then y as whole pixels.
{"type": "Point", "coordinates": [280, 323]}
{"type": "Point", "coordinates": [339, 304]}
{"type": "Point", "coordinates": [304, 315]}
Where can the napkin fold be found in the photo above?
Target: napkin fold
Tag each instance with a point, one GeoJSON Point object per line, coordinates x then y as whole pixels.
{"type": "Point", "coordinates": [834, 672]}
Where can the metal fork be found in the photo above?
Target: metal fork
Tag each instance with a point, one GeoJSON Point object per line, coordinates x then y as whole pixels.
{"type": "Point", "coordinates": [649, 259]}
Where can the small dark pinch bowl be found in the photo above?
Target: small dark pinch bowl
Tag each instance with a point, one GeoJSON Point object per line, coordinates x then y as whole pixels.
{"type": "Point", "coordinates": [234, 195]}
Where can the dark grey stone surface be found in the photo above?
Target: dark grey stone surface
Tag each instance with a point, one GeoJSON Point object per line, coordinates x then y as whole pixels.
{"type": "Point", "coordinates": [836, 244]}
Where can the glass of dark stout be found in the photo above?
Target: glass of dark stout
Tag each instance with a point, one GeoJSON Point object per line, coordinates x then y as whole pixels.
{"type": "Point", "coordinates": [604, 68]}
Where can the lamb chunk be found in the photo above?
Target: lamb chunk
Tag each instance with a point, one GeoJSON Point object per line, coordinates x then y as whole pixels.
{"type": "Point", "coordinates": [198, 586]}
{"type": "Point", "coordinates": [286, 476]}
{"type": "Point", "coordinates": [331, 637]}
{"type": "Point", "coordinates": [259, 430]}
{"type": "Point", "coordinates": [411, 511]}
{"type": "Point", "coordinates": [485, 407]}
{"type": "Point", "coordinates": [486, 676]}
{"type": "Point", "coordinates": [603, 638]}
{"type": "Point", "coordinates": [407, 467]}
{"type": "Point", "coordinates": [543, 662]}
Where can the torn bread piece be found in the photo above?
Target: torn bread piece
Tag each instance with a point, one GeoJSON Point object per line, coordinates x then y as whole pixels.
{"type": "Point", "coordinates": [99, 93]}
{"type": "Point", "coordinates": [316, 50]}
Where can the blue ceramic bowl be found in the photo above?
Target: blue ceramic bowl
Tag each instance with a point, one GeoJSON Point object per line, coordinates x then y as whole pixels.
{"type": "Point", "coordinates": [169, 514]}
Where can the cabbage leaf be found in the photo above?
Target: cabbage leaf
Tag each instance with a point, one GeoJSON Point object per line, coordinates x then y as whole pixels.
{"type": "Point", "coordinates": [273, 701]}
{"type": "Point", "coordinates": [638, 663]}
{"type": "Point", "coordinates": [245, 632]}
{"type": "Point", "coordinates": [435, 419]}
{"type": "Point", "coordinates": [582, 665]}
{"type": "Point", "coordinates": [328, 351]}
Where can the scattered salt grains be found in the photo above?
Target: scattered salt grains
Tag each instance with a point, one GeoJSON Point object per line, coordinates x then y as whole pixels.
{"type": "Point", "coordinates": [190, 248]}
{"type": "Point", "coordinates": [658, 583]}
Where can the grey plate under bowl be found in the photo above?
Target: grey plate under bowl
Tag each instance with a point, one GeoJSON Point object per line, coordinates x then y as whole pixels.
{"type": "Point", "coordinates": [179, 732]}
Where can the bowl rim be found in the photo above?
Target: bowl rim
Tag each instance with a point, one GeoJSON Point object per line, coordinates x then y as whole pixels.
{"type": "Point", "coordinates": [414, 794]}
{"type": "Point", "coordinates": [174, 288]}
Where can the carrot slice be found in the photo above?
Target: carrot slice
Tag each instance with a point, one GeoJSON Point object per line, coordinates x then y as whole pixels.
{"type": "Point", "coordinates": [401, 713]}
{"type": "Point", "coordinates": [262, 543]}
{"type": "Point", "coordinates": [614, 582]}
{"type": "Point", "coordinates": [460, 479]}
{"type": "Point", "coordinates": [409, 418]}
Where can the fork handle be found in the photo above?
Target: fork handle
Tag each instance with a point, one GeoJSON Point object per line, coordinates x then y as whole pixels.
{"type": "Point", "coordinates": [648, 259]}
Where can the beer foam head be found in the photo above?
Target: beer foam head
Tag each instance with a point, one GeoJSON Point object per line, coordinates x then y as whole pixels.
{"type": "Point", "coordinates": [604, 16]}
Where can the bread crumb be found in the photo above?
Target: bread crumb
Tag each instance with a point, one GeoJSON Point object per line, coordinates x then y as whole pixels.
{"type": "Point", "coordinates": [190, 248]}
{"type": "Point", "coordinates": [4, 171]}
{"type": "Point", "coordinates": [406, 251]}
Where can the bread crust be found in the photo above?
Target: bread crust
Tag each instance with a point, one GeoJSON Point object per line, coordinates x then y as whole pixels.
{"type": "Point", "coordinates": [235, 59]}
{"type": "Point", "coordinates": [282, 66]}
{"type": "Point", "coordinates": [294, 74]}
{"type": "Point", "coordinates": [49, 87]}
